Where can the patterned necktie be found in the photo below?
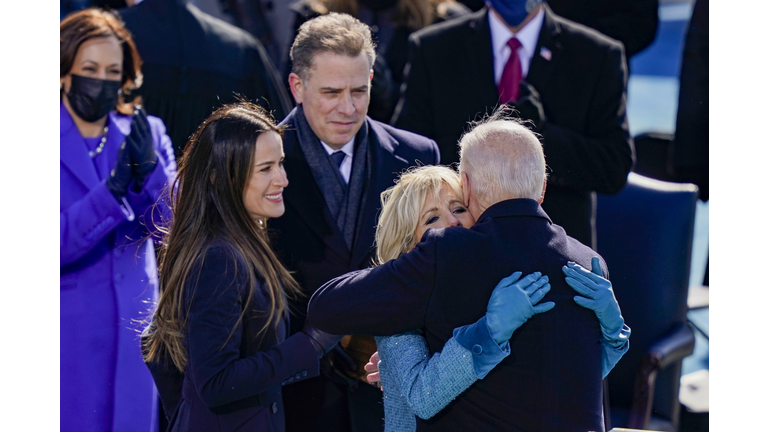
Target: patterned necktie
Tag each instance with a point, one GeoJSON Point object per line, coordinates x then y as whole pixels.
{"type": "Point", "coordinates": [509, 85]}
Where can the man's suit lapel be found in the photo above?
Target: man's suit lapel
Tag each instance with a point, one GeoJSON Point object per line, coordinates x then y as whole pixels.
{"type": "Point", "coordinates": [385, 166]}
{"type": "Point", "coordinates": [548, 52]}
{"type": "Point", "coordinates": [305, 197]}
{"type": "Point", "coordinates": [479, 54]}
{"type": "Point", "coordinates": [73, 152]}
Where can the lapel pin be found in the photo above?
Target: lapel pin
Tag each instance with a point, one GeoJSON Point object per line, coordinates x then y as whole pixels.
{"type": "Point", "coordinates": [546, 54]}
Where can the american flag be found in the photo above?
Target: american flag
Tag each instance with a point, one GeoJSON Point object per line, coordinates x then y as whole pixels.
{"type": "Point", "coordinates": [547, 54]}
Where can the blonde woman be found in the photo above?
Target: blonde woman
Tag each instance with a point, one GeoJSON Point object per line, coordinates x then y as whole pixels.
{"type": "Point", "coordinates": [414, 383]}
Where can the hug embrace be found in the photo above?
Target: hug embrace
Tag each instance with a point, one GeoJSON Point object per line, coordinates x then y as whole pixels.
{"type": "Point", "coordinates": [487, 315]}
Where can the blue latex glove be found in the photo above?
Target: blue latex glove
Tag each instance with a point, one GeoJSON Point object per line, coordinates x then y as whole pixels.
{"type": "Point", "coordinates": [513, 302]}
{"type": "Point", "coordinates": [598, 296]}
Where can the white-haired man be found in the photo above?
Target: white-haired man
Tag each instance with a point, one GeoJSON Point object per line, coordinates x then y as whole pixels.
{"type": "Point", "coordinates": [552, 380]}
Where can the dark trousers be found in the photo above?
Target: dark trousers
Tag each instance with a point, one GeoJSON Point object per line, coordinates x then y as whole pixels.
{"type": "Point", "coordinates": [319, 404]}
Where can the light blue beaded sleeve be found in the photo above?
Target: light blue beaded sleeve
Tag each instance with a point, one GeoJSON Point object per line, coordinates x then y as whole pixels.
{"type": "Point", "coordinates": [416, 384]}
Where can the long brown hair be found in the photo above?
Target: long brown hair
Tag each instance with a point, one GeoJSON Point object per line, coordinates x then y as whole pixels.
{"type": "Point", "coordinates": [91, 23]}
{"type": "Point", "coordinates": [208, 205]}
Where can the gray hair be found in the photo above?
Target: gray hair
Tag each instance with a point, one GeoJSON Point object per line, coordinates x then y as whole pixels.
{"type": "Point", "coordinates": [504, 159]}
{"type": "Point", "coordinates": [335, 33]}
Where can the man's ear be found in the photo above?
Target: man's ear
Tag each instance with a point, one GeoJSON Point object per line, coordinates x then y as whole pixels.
{"type": "Point", "coordinates": [297, 87]}
{"type": "Point", "coordinates": [543, 189]}
{"type": "Point", "coordinates": [466, 188]}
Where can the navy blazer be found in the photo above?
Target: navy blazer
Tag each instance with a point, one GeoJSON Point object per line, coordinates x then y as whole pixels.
{"type": "Point", "coordinates": [552, 379]}
{"type": "Point", "coordinates": [581, 76]}
{"type": "Point", "coordinates": [231, 383]}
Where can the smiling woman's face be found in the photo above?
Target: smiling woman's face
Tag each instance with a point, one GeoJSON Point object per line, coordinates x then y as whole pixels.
{"type": "Point", "coordinates": [263, 195]}
{"type": "Point", "coordinates": [445, 212]}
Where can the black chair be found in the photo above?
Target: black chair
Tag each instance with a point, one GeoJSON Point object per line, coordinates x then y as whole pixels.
{"type": "Point", "coordinates": [645, 234]}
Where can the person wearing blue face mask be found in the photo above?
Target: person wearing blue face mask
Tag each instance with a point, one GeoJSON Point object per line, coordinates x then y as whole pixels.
{"type": "Point", "coordinates": [566, 80]}
{"type": "Point", "coordinates": [114, 169]}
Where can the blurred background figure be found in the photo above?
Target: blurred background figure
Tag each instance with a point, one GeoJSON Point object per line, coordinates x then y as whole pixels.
{"type": "Point", "coordinates": [690, 150]}
{"type": "Point", "coordinates": [115, 163]}
{"type": "Point", "coordinates": [567, 80]}
{"type": "Point", "coordinates": [194, 63]}
{"type": "Point", "coordinates": [633, 23]}
{"type": "Point", "coordinates": [391, 22]}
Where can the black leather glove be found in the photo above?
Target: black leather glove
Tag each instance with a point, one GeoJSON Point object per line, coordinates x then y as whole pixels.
{"type": "Point", "coordinates": [322, 341]}
{"type": "Point", "coordinates": [530, 107]}
{"type": "Point", "coordinates": [338, 366]}
{"type": "Point", "coordinates": [121, 174]}
{"type": "Point", "coordinates": [139, 143]}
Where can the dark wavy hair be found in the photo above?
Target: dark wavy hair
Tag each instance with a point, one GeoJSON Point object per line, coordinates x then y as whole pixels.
{"type": "Point", "coordinates": [91, 23]}
{"type": "Point", "coordinates": [208, 205]}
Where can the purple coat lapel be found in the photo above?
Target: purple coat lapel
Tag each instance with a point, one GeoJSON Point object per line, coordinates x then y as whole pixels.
{"type": "Point", "coordinates": [78, 162]}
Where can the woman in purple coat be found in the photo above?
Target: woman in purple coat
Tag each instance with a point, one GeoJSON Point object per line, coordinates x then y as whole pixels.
{"type": "Point", "coordinates": [114, 167]}
{"type": "Point", "coordinates": [218, 344]}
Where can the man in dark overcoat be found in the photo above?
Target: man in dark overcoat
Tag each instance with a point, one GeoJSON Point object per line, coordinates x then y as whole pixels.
{"type": "Point", "coordinates": [552, 379]}
{"type": "Point", "coordinates": [338, 161]}
{"type": "Point", "coordinates": [569, 80]}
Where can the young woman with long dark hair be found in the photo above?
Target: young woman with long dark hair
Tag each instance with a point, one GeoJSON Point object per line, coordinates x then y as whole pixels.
{"type": "Point", "coordinates": [217, 344]}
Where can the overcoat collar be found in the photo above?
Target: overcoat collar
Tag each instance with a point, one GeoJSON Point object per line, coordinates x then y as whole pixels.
{"type": "Point", "coordinates": [386, 165]}
{"type": "Point", "coordinates": [514, 207]}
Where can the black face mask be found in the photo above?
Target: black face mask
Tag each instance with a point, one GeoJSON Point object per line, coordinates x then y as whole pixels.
{"type": "Point", "coordinates": [92, 98]}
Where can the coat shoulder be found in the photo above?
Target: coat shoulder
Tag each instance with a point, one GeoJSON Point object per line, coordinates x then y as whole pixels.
{"type": "Point", "coordinates": [409, 145]}
{"type": "Point", "coordinates": [457, 28]}
{"type": "Point", "coordinates": [585, 36]}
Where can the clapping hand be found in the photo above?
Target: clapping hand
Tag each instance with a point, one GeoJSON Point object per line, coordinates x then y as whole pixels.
{"type": "Point", "coordinates": [121, 175]}
{"type": "Point", "coordinates": [598, 296]}
{"type": "Point", "coordinates": [139, 144]}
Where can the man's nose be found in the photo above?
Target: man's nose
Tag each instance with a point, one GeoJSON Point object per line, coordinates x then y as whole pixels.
{"type": "Point", "coordinates": [346, 106]}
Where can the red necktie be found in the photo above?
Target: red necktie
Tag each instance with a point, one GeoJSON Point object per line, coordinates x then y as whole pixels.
{"type": "Point", "coordinates": [509, 85]}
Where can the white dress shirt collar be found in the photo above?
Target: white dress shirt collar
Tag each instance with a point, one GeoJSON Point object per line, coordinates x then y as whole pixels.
{"type": "Point", "coordinates": [346, 165]}
{"type": "Point", "coordinates": [500, 34]}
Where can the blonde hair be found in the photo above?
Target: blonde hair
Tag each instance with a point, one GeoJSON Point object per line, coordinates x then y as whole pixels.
{"type": "Point", "coordinates": [504, 159]}
{"type": "Point", "coordinates": [402, 204]}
